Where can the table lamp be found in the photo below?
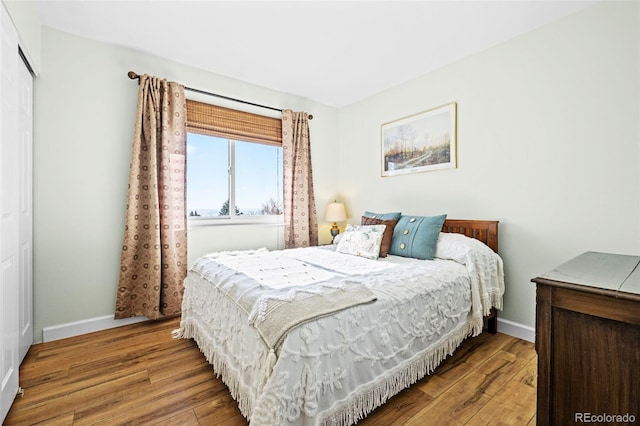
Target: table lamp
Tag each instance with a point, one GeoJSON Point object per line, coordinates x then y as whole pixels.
{"type": "Point", "coordinates": [335, 213]}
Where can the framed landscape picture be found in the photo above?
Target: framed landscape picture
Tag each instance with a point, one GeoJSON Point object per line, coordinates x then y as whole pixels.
{"type": "Point", "coordinates": [421, 142]}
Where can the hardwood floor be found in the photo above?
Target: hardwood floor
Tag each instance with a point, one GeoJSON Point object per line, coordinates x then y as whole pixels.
{"type": "Point", "coordinates": [138, 374]}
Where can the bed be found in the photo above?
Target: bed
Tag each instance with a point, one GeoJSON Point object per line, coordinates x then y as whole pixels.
{"type": "Point", "coordinates": [315, 336]}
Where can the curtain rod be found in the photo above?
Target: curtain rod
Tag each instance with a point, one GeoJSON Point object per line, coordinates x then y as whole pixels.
{"type": "Point", "coordinates": [133, 76]}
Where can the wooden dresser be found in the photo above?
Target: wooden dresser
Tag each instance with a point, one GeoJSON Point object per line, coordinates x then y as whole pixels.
{"type": "Point", "coordinates": [588, 341]}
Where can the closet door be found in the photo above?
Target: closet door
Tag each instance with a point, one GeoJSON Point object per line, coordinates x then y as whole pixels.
{"type": "Point", "coordinates": [25, 218]}
{"type": "Point", "coordinates": [9, 221]}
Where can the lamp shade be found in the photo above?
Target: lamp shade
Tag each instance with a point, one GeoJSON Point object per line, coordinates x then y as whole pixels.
{"type": "Point", "coordinates": [335, 212]}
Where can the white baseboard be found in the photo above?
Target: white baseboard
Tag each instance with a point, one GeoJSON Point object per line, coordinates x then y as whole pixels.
{"type": "Point", "coordinates": [90, 325]}
{"type": "Point", "coordinates": [518, 330]}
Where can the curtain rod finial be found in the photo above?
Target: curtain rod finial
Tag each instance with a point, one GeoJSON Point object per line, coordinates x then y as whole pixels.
{"type": "Point", "coordinates": [132, 75]}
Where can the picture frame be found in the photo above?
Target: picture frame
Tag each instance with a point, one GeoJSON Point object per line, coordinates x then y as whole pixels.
{"type": "Point", "coordinates": [421, 142]}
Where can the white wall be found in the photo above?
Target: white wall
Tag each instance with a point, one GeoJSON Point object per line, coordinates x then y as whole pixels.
{"type": "Point", "coordinates": [548, 143]}
{"type": "Point", "coordinates": [83, 125]}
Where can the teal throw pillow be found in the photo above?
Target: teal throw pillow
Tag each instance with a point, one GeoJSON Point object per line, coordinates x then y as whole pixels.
{"type": "Point", "coordinates": [416, 236]}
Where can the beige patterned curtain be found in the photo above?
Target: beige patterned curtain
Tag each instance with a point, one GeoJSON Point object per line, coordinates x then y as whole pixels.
{"type": "Point", "coordinates": [300, 218]}
{"type": "Point", "coordinates": [154, 249]}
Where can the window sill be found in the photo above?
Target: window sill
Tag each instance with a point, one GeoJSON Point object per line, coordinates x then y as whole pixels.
{"type": "Point", "coordinates": [237, 220]}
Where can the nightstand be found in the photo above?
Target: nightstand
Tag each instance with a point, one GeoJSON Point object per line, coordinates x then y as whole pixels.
{"type": "Point", "coordinates": [588, 340]}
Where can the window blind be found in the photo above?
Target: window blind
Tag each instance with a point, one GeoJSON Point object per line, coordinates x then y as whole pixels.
{"type": "Point", "coordinates": [213, 120]}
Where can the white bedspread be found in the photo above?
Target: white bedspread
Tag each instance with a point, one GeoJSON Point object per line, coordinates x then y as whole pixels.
{"type": "Point", "coordinates": [337, 368]}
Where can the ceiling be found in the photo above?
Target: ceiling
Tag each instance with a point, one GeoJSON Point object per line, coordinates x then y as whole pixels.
{"type": "Point", "coordinates": [333, 52]}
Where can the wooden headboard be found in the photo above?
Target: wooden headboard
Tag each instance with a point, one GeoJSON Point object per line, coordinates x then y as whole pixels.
{"type": "Point", "coordinates": [483, 230]}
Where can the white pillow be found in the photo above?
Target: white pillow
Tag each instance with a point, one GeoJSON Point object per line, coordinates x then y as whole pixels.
{"type": "Point", "coordinates": [362, 240]}
{"type": "Point", "coordinates": [457, 247]}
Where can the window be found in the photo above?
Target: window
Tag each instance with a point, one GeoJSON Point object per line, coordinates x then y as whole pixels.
{"type": "Point", "coordinates": [234, 164]}
{"type": "Point", "coordinates": [224, 172]}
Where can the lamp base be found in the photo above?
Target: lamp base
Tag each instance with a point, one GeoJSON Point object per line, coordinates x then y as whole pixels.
{"type": "Point", "coordinates": [334, 231]}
